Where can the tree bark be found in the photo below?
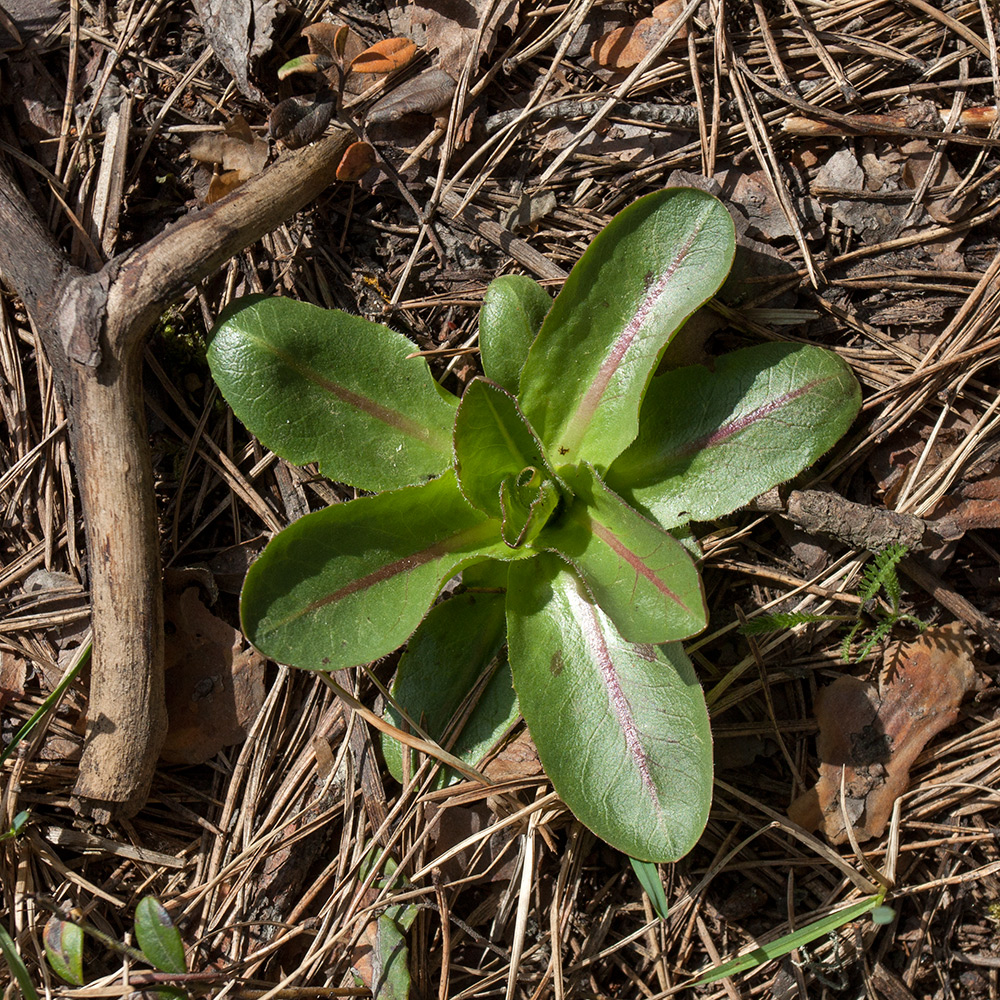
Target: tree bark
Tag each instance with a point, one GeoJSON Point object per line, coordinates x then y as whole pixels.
{"type": "Point", "coordinates": [94, 328]}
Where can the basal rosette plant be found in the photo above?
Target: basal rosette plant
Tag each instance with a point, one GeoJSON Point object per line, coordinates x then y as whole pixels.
{"type": "Point", "coordinates": [555, 483]}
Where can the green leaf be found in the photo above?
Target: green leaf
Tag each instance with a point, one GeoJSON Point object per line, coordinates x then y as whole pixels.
{"type": "Point", "coordinates": [390, 961]}
{"type": "Point", "coordinates": [64, 949]}
{"type": "Point", "coordinates": [348, 584]}
{"type": "Point", "coordinates": [492, 441]}
{"type": "Point", "coordinates": [709, 442]}
{"type": "Point", "coordinates": [320, 385]}
{"type": "Point", "coordinates": [159, 940]}
{"type": "Point", "coordinates": [639, 574]}
{"type": "Point", "coordinates": [512, 313]}
{"type": "Point", "coordinates": [16, 965]}
{"type": "Point", "coordinates": [789, 942]}
{"type": "Point", "coordinates": [649, 878]}
{"type": "Point", "coordinates": [634, 287]}
{"type": "Point", "coordinates": [621, 729]}
{"type": "Point", "coordinates": [466, 635]}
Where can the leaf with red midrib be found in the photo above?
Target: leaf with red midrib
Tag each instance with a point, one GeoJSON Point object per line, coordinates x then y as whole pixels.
{"type": "Point", "coordinates": [621, 728]}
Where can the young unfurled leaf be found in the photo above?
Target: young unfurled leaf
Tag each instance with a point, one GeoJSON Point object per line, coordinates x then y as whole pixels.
{"type": "Point", "coordinates": [159, 940]}
{"type": "Point", "coordinates": [513, 310]}
{"type": "Point", "coordinates": [709, 442]}
{"type": "Point", "coordinates": [639, 574]}
{"type": "Point", "coordinates": [634, 287]}
{"type": "Point", "coordinates": [348, 584]}
{"type": "Point", "coordinates": [526, 502]}
{"type": "Point", "coordinates": [621, 728]}
{"type": "Point", "coordinates": [64, 949]}
{"type": "Point", "coordinates": [385, 56]}
{"type": "Point", "coordinates": [492, 441]}
{"type": "Point", "coordinates": [321, 385]}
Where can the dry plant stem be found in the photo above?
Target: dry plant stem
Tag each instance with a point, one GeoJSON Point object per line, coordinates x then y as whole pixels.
{"type": "Point", "coordinates": [94, 328]}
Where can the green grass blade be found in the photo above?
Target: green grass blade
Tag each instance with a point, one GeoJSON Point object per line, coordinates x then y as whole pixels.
{"type": "Point", "coordinates": [789, 942]}
{"type": "Point", "coordinates": [17, 966]}
{"type": "Point", "coordinates": [53, 699]}
{"type": "Point", "coordinates": [649, 878]}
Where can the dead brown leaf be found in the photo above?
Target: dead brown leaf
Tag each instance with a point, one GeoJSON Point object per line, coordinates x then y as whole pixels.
{"type": "Point", "coordinates": [455, 28]}
{"type": "Point", "coordinates": [239, 31]}
{"type": "Point", "coordinates": [215, 682]}
{"type": "Point", "coordinates": [872, 735]}
{"type": "Point", "coordinates": [425, 93]}
{"type": "Point", "coordinates": [239, 152]}
{"type": "Point", "coordinates": [626, 47]}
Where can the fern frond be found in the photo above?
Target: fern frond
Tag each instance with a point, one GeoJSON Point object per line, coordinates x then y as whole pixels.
{"type": "Point", "coordinates": [881, 572]}
{"type": "Point", "coordinates": [845, 646]}
{"type": "Point", "coordinates": [883, 628]}
{"type": "Point", "coordinates": [778, 621]}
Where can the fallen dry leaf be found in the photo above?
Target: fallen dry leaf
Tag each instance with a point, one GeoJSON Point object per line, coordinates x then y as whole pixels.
{"type": "Point", "coordinates": [239, 152]}
{"type": "Point", "coordinates": [239, 31]}
{"type": "Point", "coordinates": [356, 162]}
{"type": "Point", "coordinates": [872, 735]}
{"type": "Point", "coordinates": [385, 56]}
{"type": "Point", "coordinates": [456, 29]}
{"type": "Point", "coordinates": [215, 682]}
{"type": "Point", "coordinates": [425, 93]}
{"type": "Point", "coordinates": [626, 47]}
{"type": "Point", "coordinates": [297, 121]}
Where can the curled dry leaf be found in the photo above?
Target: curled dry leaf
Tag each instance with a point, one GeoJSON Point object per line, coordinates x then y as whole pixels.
{"type": "Point", "coordinates": [423, 94]}
{"type": "Point", "coordinates": [626, 47]}
{"type": "Point", "coordinates": [297, 121]}
{"type": "Point", "coordinates": [238, 151]}
{"type": "Point", "coordinates": [874, 734]}
{"type": "Point", "coordinates": [356, 162]}
{"type": "Point", "coordinates": [385, 56]}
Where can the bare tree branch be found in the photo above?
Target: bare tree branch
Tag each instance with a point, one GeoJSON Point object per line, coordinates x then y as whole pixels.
{"type": "Point", "coordinates": [94, 328]}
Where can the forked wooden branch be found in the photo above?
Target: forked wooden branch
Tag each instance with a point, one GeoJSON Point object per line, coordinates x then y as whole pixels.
{"type": "Point", "coordinates": [94, 327]}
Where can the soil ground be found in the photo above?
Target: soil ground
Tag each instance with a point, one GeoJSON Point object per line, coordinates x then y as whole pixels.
{"type": "Point", "coordinates": [856, 145]}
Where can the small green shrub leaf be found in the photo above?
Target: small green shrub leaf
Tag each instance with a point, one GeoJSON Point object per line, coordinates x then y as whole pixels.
{"type": "Point", "coordinates": [621, 729]}
{"type": "Point", "coordinates": [159, 940]}
{"type": "Point", "coordinates": [634, 287]}
{"type": "Point", "coordinates": [492, 441]}
{"type": "Point", "coordinates": [512, 313]}
{"type": "Point", "coordinates": [467, 632]}
{"type": "Point", "coordinates": [348, 584]}
{"type": "Point", "coordinates": [712, 441]}
{"type": "Point", "coordinates": [64, 949]}
{"type": "Point", "coordinates": [320, 385]}
{"type": "Point", "coordinates": [640, 575]}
